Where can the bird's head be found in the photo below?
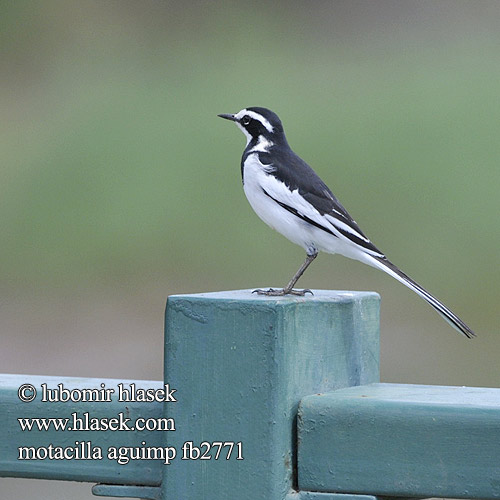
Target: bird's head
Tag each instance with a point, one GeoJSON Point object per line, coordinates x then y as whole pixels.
{"type": "Point", "coordinates": [258, 124]}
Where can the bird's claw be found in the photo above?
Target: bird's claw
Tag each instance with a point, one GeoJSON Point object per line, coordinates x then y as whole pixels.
{"type": "Point", "coordinates": [272, 292]}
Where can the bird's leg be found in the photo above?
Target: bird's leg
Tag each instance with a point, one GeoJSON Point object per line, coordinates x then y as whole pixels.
{"type": "Point", "coordinates": [288, 290]}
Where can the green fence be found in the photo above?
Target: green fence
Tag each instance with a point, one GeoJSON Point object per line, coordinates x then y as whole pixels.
{"type": "Point", "coordinates": [263, 398]}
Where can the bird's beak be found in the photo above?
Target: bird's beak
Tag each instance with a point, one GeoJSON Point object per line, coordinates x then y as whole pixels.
{"type": "Point", "coordinates": [228, 117]}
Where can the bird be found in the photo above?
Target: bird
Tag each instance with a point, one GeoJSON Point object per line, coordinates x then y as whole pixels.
{"type": "Point", "coordinates": [290, 197]}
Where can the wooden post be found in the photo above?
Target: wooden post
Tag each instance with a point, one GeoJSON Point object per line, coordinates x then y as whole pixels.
{"type": "Point", "coordinates": [240, 364]}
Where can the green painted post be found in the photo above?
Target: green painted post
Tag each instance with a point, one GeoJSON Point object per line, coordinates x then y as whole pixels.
{"type": "Point", "coordinates": [241, 363]}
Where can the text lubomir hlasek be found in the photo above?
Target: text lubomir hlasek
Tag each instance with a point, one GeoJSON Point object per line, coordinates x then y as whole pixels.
{"type": "Point", "coordinates": [127, 393]}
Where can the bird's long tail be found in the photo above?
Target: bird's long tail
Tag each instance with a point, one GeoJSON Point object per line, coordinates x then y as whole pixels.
{"type": "Point", "coordinates": [387, 266]}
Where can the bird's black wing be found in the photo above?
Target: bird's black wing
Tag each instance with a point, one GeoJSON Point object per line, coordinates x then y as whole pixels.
{"type": "Point", "coordinates": [296, 174]}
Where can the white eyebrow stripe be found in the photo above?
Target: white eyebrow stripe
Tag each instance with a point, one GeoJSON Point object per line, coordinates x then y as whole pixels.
{"type": "Point", "coordinates": [256, 116]}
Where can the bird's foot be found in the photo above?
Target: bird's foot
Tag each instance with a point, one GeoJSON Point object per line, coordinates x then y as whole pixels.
{"type": "Point", "coordinates": [272, 292]}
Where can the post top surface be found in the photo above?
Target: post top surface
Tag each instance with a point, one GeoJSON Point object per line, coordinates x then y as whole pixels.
{"type": "Point", "coordinates": [415, 394]}
{"type": "Point", "coordinates": [249, 296]}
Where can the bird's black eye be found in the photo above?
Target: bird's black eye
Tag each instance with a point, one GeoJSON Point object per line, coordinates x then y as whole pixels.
{"type": "Point", "coordinates": [245, 120]}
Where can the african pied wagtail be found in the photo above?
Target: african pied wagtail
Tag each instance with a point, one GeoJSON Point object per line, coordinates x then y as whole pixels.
{"type": "Point", "coordinates": [287, 195]}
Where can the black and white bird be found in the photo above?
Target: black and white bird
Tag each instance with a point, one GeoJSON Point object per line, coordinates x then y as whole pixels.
{"type": "Point", "coordinates": [289, 196]}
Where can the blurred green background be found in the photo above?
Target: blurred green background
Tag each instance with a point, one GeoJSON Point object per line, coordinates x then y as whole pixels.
{"type": "Point", "coordinates": [120, 186]}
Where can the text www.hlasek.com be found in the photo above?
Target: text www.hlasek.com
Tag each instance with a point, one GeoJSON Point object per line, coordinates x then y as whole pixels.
{"type": "Point", "coordinates": [85, 422]}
